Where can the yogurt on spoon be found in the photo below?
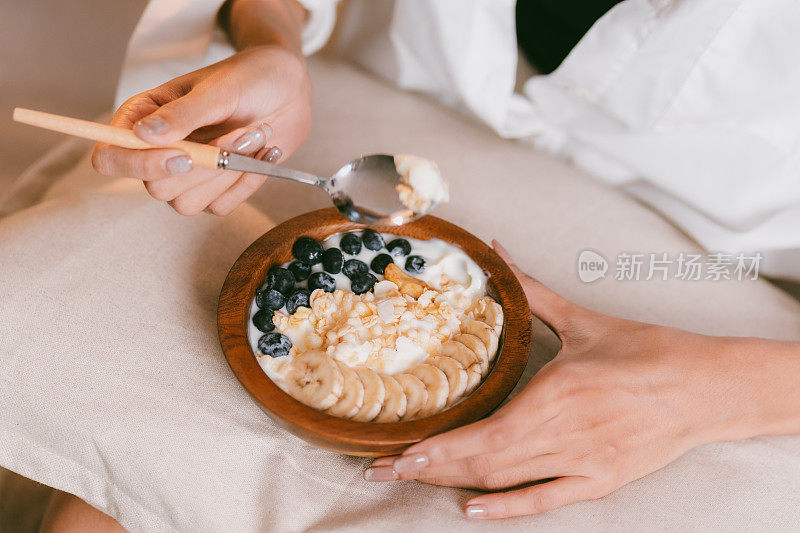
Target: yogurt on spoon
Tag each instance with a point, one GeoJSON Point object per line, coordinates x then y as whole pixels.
{"type": "Point", "coordinates": [422, 185]}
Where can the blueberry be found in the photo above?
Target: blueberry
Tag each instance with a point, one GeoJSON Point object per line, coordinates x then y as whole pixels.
{"type": "Point", "coordinates": [263, 320]}
{"type": "Point", "coordinates": [332, 260]}
{"type": "Point", "coordinates": [372, 239]}
{"type": "Point", "coordinates": [274, 345]}
{"type": "Point", "coordinates": [270, 299]}
{"type": "Point", "coordinates": [307, 250]}
{"type": "Point", "coordinates": [399, 247]}
{"type": "Point", "coordinates": [380, 263]}
{"type": "Point", "coordinates": [415, 264]}
{"type": "Point", "coordinates": [300, 270]}
{"type": "Point", "coordinates": [298, 298]}
{"type": "Point", "coordinates": [361, 283]}
{"type": "Point", "coordinates": [350, 243]}
{"type": "Point", "coordinates": [354, 266]}
{"type": "Point", "coordinates": [280, 279]}
{"type": "Point", "coordinates": [321, 280]}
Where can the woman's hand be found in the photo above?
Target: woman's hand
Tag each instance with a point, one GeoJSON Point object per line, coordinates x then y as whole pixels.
{"type": "Point", "coordinates": [257, 102]}
{"type": "Point", "coordinates": [620, 400]}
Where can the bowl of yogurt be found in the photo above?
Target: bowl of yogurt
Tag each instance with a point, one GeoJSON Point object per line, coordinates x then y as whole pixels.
{"type": "Point", "coordinates": [366, 340]}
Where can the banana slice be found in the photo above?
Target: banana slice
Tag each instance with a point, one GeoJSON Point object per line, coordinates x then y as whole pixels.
{"type": "Point", "coordinates": [457, 377]}
{"type": "Point", "coordinates": [437, 386]}
{"type": "Point", "coordinates": [465, 357]}
{"type": "Point", "coordinates": [374, 394]}
{"type": "Point", "coordinates": [492, 314]}
{"type": "Point", "coordinates": [484, 332]}
{"type": "Point", "coordinates": [315, 379]}
{"type": "Point", "coordinates": [352, 393]}
{"type": "Point", "coordinates": [473, 379]}
{"type": "Point", "coordinates": [395, 403]}
{"type": "Point", "coordinates": [416, 394]}
{"type": "Point", "coordinates": [474, 343]}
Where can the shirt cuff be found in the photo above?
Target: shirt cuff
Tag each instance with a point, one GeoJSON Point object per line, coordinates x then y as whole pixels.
{"type": "Point", "coordinates": [320, 23]}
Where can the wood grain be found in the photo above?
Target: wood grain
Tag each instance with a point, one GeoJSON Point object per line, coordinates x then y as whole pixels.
{"type": "Point", "coordinates": [360, 438]}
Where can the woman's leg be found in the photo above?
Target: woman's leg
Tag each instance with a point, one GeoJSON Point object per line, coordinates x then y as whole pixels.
{"type": "Point", "coordinates": [67, 513]}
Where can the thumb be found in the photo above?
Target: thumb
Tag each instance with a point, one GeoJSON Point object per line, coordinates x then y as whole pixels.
{"type": "Point", "coordinates": [175, 120]}
{"type": "Point", "coordinates": [548, 306]}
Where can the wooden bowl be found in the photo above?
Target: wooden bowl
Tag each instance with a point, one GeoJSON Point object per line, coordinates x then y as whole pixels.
{"type": "Point", "coordinates": [367, 438]}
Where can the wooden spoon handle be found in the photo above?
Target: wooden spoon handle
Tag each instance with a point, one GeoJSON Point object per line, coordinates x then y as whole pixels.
{"type": "Point", "coordinates": [203, 155]}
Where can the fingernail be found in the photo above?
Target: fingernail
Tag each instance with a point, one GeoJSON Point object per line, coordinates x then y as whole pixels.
{"type": "Point", "coordinates": [411, 463]}
{"type": "Point", "coordinates": [179, 164]}
{"type": "Point", "coordinates": [273, 154]}
{"type": "Point", "coordinates": [380, 473]}
{"type": "Point", "coordinates": [267, 129]}
{"type": "Point", "coordinates": [152, 125]}
{"type": "Point", "coordinates": [250, 141]}
{"type": "Point", "coordinates": [475, 511]}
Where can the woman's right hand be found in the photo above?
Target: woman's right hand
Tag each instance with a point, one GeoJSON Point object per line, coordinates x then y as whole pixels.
{"type": "Point", "coordinates": [256, 102]}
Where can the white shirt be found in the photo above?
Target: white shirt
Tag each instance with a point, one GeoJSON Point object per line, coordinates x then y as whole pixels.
{"type": "Point", "coordinates": [692, 106]}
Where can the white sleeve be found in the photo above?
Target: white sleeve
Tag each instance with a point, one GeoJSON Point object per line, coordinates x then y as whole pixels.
{"type": "Point", "coordinates": [691, 107]}
{"type": "Point", "coordinates": [320, 23]}
{"type": "Point", "coordinates": [174, 37]}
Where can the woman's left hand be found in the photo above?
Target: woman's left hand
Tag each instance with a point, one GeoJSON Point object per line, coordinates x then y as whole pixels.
{"type": "Point", "coordinates": [620, 400]}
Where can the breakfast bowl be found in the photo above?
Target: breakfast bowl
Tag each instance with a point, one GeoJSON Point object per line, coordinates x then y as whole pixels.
{"type": "Point", "coordinates": [351, 437]}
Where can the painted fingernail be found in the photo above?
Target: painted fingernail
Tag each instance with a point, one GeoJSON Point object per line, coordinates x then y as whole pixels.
{"type": "Point", "coordinates": [267, 129]}
{"type": "Point", "coordinates": [475, 511]}
{"type": "Point", "coordinates": [152, 125]}
{"type": "Point", "coordinates": [380, 473]}
{"type": "Point", "coordinates": [179, 164]}
{"type": "Point", "coordinates": [273, 155]}
{"type": "Point", "coordinates": [411, 463]}
{"type": "Point", "coordinates": [250, 141]}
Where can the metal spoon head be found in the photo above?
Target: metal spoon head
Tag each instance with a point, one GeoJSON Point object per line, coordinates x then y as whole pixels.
{"type": "Point", "coordinates": [365, 191]}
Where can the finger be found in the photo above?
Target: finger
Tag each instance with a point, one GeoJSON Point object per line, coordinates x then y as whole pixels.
{"type": "Point", "coordinates": [535, 469]}
{"type": "Point", "coordinates": [167, 189]}
{"type": "Point", "coordinates": [551, 308]}
{"type": "Point", "coordinates": [384, 461]}
{"type": "Point", "coordinates": [485, 436]}
{"type": "Point", "coordinates": [537, 455]}
{"type": "Point", "coordinates": [531, 500]}
{"type": "Point", "coordinates": [248, 140]}
{"type": "Point", "coordinates": [146, 165]}
{"type": "Point", "coordinates": [198, 198]}
{"type": "Point", "coordinates": [236, 194]}
{"type": "Point", "coordinates": [175, 120]}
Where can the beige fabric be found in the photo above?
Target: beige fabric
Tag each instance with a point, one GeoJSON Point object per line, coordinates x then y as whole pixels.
{"type": "Point", "coordinates": [113, 386]}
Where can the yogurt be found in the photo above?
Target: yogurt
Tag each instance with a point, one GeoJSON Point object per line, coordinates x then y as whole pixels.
{"type": "Point", "coordinates": [422, 185]}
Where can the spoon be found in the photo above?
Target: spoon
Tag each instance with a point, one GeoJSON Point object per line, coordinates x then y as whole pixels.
{"type": "Point", "coordinates": [364, 190]}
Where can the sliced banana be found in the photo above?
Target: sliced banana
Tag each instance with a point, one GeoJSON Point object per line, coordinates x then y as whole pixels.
{"type": "Point", "coordinates": [484, 332]}
{"type": "Point", "coordinates": [315, 379]}
{"type": "Point", "coordinates": [395, 403]}
{"type": "Point", "coordinates": [416, 394]}
{"type": "Point", "coordinates": [437, 386]}
{"type": "Point", "coordinates": [457, 377]}
{"type": "Point", "coordinates": [492, 314]}
{"type": "Point", "coordinates": [352, 398]}
{"type": "Point", "coordinates": [473, 379]}
{"type": "Point", "coordinates": [460, 353]}
{"type": "Point", "coordinates": [474, 343]}
{"type": "Point", "coordinates": [374, 394]}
